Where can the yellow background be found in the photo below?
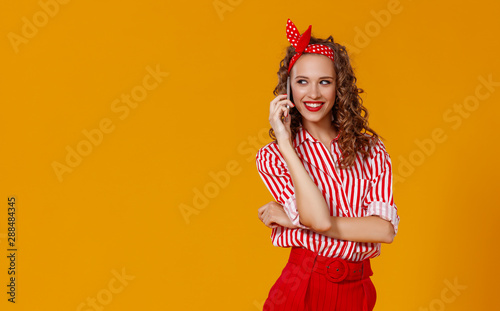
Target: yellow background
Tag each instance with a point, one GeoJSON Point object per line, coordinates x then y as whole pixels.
{"type": "Point", "coordinates": [120, 207]}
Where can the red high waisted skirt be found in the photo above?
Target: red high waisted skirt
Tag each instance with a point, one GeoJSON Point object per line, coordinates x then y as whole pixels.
{"type": "Point", "coordinates": [313, 282]}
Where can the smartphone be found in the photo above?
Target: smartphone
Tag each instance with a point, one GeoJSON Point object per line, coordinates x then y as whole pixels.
{"type": "Point", "coordinates": [288, 91]}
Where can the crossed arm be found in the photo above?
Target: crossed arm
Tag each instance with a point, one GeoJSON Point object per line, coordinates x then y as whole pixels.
{"type": "Point", "coordinates": [314, 211]}
{"type": "Point", "coordinates": [358, 229]}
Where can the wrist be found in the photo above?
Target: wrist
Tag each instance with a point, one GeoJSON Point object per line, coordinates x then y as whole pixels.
{"type": "Point", "coordinates": [284, 140]}
{"type": "Point", "coordinates": [334, 223]}
{"type": "Point", "coordinates": [286, 147]}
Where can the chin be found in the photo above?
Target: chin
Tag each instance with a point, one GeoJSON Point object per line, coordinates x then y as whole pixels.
{"type": "Point", "coordinates": [313, 116]}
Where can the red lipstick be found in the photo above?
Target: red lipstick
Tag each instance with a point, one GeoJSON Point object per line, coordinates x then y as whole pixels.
{"type": "Point", "coordinates": [313, 109]}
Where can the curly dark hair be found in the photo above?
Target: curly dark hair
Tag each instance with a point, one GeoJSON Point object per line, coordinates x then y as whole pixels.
{"type": "Point", "coordinates": [350, 116]}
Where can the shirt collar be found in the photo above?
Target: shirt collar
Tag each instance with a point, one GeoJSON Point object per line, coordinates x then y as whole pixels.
{"type": "Point", "coordinates": [303, 135]}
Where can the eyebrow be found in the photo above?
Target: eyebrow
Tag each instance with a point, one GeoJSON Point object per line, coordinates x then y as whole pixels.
{"type": "Point", "coordinates": [325, 77]}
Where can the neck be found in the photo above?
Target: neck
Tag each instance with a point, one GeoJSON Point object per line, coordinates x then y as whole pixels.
{"type": "Point", "coordinates": [322, 130]}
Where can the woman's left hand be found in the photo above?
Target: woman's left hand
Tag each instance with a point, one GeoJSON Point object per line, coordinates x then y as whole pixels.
{"type": "Point", "coordinates": [273, 215]}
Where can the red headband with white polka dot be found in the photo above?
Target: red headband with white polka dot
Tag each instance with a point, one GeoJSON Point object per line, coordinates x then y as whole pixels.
{"type": "Point", "coordinates": [301, 44]}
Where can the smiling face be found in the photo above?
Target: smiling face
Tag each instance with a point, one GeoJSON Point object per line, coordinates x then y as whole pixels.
{"type": "Point", "coordinates": [313, 88]}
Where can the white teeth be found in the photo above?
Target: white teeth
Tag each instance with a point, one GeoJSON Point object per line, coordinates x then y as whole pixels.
{"type": "Point", "coordinates": [313, 105]}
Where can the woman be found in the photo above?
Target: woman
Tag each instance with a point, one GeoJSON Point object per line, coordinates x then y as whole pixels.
{"type": "Point", "coordinates": [331, 178]}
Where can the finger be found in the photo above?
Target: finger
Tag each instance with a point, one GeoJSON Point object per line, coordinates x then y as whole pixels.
{"type": "Point", "coordinates": [279, 97]}
{"type": "Point", "coordinates": [287, 121]}
{"type": "Point", "coordinates": [262, 215]}
{"type": "Point", "coordinates": [281, 102]}
{"type": "Point", "coordinates": [285, 102]}
{"type": "Point", "coordinates": [267, 219]}
{"type": "Point", "coordinates": [262, 209]}
{"type": "Point", "coordinates": [275, 115]}
{"type": "Point", "coordinates": [276, 100]}
{"type": "Point", "coordinates": [278, 105]}
{"type": "Point", "coordinates": [280, 111]}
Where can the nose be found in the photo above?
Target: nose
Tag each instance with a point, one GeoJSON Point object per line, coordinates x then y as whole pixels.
{"type": "Point", "coordinates": [314, 91]}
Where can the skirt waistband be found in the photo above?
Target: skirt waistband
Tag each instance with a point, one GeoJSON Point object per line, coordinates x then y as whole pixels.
{"type": "Point", "coordinates": [335, 269]}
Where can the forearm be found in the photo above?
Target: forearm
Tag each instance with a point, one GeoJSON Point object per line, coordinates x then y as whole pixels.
{"type": "Point", "coordinates": [370, 229]}
{"type": "Point", "coordinates": [311, 205]}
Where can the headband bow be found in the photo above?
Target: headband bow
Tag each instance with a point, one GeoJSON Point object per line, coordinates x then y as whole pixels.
{"type": "Point", "coordinates": [301, 44]}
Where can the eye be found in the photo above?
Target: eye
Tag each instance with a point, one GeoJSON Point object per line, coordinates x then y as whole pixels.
{"type": "Point", "coordinates": [301, 81]}
{"type": "Point", "coordinates": [325, 82]}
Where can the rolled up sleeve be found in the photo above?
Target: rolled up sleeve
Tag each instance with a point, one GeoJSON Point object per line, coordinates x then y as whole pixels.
{"type": "Point", "coordinates": [275, 175]}
{"type": "Point", "coordinates": [379, 201]}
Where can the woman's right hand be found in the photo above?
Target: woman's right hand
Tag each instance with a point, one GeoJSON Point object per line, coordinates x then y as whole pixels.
{"type": "Point", "coordinates": [278, 109]}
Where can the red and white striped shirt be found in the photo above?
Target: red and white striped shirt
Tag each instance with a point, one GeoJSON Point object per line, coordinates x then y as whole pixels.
{"type": "Point", "coordinates": [363, 190]}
